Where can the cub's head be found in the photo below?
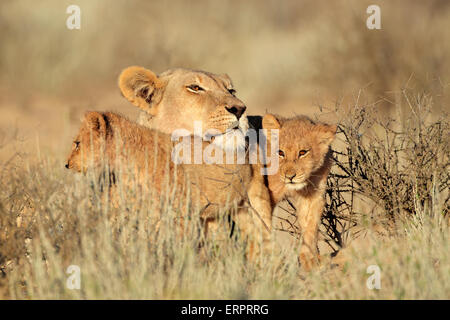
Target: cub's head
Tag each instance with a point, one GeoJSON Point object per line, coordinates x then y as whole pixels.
{"type": "Point", "coordinates": [90, 141]}
{"type": "Point", "coordinates": [178, 98]}
{"type": "Point", "coordinates": [303, 148]}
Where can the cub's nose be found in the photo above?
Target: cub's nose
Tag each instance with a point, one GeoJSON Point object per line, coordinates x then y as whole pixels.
{"type": "Point", "coordinates": [67, 166]}
{"type": "Point", "coordinates": [290, 175]}
{"type": "Point", "coordinates": [236, 110]}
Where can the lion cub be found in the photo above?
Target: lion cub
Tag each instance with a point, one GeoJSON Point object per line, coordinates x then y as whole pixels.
{"type": "Point", "coordinates": [111, 138]}
{"type": "Point", "coordinates": [305, 159]}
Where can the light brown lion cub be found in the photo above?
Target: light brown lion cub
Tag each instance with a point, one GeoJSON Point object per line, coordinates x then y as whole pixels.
{"type": "Point", "coordinates": [105, 136]}
{"type": "Point", "coordinates": [304, 164]}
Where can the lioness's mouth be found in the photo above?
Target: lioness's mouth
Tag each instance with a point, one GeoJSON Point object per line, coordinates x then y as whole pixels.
{"type": "Point", "coordinates": [234, 125]}
{"type": "Point", "coordinates": [234, 130]}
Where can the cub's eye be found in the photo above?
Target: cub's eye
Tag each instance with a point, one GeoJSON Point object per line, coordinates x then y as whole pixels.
{"type": "Point", "coordinates": [194, 88]}
{"type": "Point", "coordinates": [77, 144]}
{"type": "Point", "coordinates": [232, 91]}
{"type": "Point", "coordinates": [281, 153]}
{"type": "Point", "coordinates": [301, 153]}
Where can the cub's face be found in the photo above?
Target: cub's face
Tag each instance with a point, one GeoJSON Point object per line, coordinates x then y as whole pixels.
{"type": "Point", "coordinates": [87, 145]}
{"type": "Point", "coordinates": [303, 147]}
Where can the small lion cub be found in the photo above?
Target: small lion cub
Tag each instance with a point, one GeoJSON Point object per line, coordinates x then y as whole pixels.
{"type": "Point", "coordinates": [305, 160]}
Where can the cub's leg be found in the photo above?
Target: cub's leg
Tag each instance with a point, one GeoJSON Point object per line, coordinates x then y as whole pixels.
{"type": "Point", "coordinates": [309, 211]}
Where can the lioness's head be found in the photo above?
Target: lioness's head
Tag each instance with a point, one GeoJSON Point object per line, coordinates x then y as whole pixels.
{"type": "Point", "coordinates": [88, 144]}
{"type": "Point", "coordinates": [178, 98]}
{"type": "Point", "coordinates": [303, 147]}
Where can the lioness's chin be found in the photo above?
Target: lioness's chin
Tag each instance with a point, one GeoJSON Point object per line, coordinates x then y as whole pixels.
{"type": "Point", "coordinates": [296, 186]}
{"type": "Point", "coordinates": [233, 140]}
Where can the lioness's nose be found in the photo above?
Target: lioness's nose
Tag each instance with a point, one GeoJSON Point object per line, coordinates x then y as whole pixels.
{"type": "Point", "coordinates": [236, 110]}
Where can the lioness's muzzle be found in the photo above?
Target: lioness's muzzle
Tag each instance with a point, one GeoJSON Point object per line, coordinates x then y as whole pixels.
{"type": "Point", "coordinates": [233, 125]}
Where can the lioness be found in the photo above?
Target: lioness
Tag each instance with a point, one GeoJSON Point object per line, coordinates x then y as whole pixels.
{"type": "Point", "coordinates": [178, 98]}
{"type": "Point", "coordinates": [305, 162]}
{"type": "Point", "coordinates": [119, 141]}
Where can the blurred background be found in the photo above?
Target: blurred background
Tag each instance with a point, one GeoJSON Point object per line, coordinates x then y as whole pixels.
{"type": "Point", "coordinates": [286, 57]}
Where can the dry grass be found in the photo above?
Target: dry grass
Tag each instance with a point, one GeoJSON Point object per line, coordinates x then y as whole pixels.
{"type": "Point", "coordinates": [403, 165]}
{"type": "Point", "coordinates": [388, 197]}
{"type": "Point", "coordinates": [51, 218]}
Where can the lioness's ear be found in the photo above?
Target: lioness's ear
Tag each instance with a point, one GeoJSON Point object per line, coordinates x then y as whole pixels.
{"type": "Point", "coordinates": [96, 122]}
{"type": "Point", "coordinates": [270, 122]}
{"type": "Point", "coordinates": [140, 86]}
{"type": "Point", "coordinates": [328, 133]}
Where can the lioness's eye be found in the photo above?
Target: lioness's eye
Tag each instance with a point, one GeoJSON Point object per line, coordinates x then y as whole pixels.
{"type": "Point", "coordinates": [77, 144]}
{"type": "Point", "coordinates": [232, 91]}
{"type": "Point", "coordinates": [301, 153]}
{"type": "Point", "coordinates": [281, 153]}
{"type": "Point", "coordinates": [194, 88]}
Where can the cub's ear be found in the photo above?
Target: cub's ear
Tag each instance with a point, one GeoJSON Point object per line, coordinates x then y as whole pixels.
{"type": "Point", "coordinates": [269, 121]}
{"type": "Point", "coordinates": [327, 133]}
{"type": "Point", "coordinates": [96, 121]}
{"type": "Point", "coordinates": [141, 87]}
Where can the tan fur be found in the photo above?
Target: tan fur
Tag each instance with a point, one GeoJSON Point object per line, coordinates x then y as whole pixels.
{"type": "Point", "coordinates": [111, 137]}
{"type": "Point", "coordinates": [106, 138]}
{"type": "Point", "coordinates": [302, 177]}
{"type": "Point", "coordinates": [168, 103]}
